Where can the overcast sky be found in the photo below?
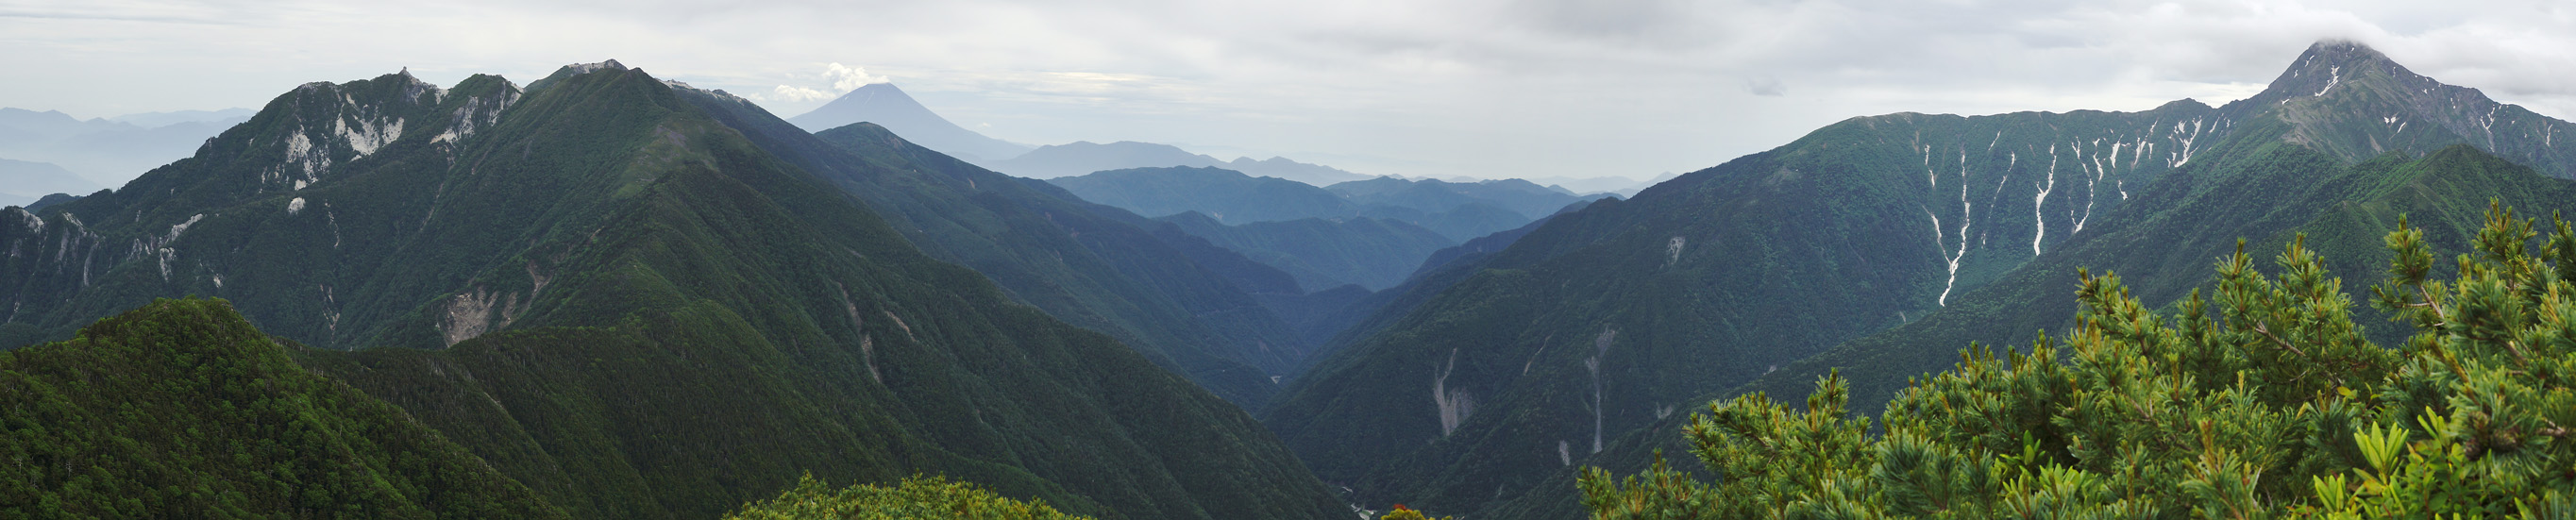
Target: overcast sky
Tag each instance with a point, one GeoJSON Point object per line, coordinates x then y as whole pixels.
{"type": "Point", "coordinates": [1485, 88]}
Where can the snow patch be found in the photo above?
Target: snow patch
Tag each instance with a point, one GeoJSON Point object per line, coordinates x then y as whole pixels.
{"type": "Point", "coordinates": [2330, 82]}
{"type": "Point", "coordinates": [295, 205]}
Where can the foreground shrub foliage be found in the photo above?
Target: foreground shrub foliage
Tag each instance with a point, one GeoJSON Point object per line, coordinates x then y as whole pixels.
{"type": "Point", "coordinates": [916, 498]}
{"type": "Point", "coordinates": [2264, 401]}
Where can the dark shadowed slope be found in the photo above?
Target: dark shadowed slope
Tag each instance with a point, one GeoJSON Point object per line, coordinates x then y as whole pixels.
{"type": "Point", "coordinates": [1074, 260]}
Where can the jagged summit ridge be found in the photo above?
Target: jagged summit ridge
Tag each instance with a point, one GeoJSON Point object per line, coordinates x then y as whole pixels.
{"type": "Point", "coordinates": [586, 68]}
{"type": "Point", "coordinates": [2350, 100]}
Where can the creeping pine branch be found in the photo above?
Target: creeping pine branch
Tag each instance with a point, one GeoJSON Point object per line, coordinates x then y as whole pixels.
{"type": "Point", "coordinates": [2259, 328]}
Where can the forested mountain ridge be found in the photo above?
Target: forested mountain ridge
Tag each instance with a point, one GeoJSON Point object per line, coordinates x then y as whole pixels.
{"type": "Point", "coordinates": [1876, 221]}
{"type": "Point", "coordinates": [1608, 318]}
{"type": "Point", "coordinates": [1077, 261]}
{"type": "Point", "coordinates": [619, 301]}
{"type": "Point", "coordinates": [2260, 397]}
{"type": "Point", "coordinates": [2273, 197]}
{"type": "Point", "coordinates": [2303, 167]}
{"type": "Point", "coordinates": [180, 408]}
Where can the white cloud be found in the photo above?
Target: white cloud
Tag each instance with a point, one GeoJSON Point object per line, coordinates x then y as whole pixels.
{"type": "Point", "coordinates": [797, 94]}
{"type": "Point", "coordinates": [849, 78]}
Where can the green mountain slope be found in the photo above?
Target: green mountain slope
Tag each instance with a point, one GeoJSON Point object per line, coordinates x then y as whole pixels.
{"type": "Point", "coordinates": [1623, 313]}
{"type": "Point", "coordinates": [1372, 253]}
{"type": "Point", "coordinates": [2303, 164]}
{"type": "Point", "coordinates": [1607, 318]}
{"type": "Point", "coordinates": [2283, 191]}
{"type": "Point", "coordinates": [2266, 181]}
{"type": "Point", "coordinates": [1190, 310]}
{"type": "Point", "coordinates": [181, 409]}
{"type": "Point", "coordinates": [618, 300]}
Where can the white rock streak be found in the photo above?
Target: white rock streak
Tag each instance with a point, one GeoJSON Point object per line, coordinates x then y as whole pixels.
{"type": "Point", "coordinates": [1455, 405]}
{"type": "Point", "coordinates": [1600, 347]}
{"type": "Point", "coordinates": [2090, 178]}
{"type": "Point", "coordinates": [2042, 200]}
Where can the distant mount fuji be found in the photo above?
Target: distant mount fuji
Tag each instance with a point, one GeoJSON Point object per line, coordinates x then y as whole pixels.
{"type": "Point", "coordinates": [889, 107]}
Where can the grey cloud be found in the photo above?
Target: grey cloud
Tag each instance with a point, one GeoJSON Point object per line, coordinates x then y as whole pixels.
{"type": "Point", "coordinates": [1425, 88]}
{"type": "Point", "coordinates": [1765, 86]}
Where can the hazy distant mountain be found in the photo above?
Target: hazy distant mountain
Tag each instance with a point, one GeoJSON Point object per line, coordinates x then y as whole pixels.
{"type": "Point", "coordinates": [1459, 211]}
{"type": "Point", "coordinates": [1623, 186]}
{"type": "Point", "coordinates": [1528, 199]}
{"type": "Point", "coordinates": [23, 181]}
{"type": "Point", "coordinates": [104, 151]}
{"type": "Point", "coordinates": [1085, 157]}
{"type": "Point", "coordinates": [1229, 196]}
{"type": "Point", "coordinates": [889, 107]}
{"type": "Point", "coordinates": [161, 119]}
{"type": "Point", "coordinates": [1590, 185]}
{"type": "Point", "coordinates": [1281, 167]}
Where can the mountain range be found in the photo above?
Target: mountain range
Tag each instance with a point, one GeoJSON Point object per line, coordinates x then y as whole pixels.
{"type": "Point", "coordinates": [603, 294]}
{"type": "Point", "coordinates": [1373, 233]}
{"type": "Point", "coordinates": [1877, 246]}
{"type": "Point", "coordinates": [1459, 211]}
{"type": "Point", "coordinates": [1084, 157]}
{"type": "Point", "coordinates": [887, 106]}
{"type": "Point", "coordinates": [1185, 303]}
{"type": "Point", "coordinates": [22, 182]}
{"type": "Point", "coordinates": [611, 296]}
{"type": "Point", "coordinates": [109, 151]}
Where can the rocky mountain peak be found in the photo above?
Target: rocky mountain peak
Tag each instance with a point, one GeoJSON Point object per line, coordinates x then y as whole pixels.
{"type": "Point", "coordinates": [2349, 100]}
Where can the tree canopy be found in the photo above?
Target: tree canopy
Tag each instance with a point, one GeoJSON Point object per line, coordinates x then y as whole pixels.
{"type": "Point", "coordinates": [2263, 400]}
